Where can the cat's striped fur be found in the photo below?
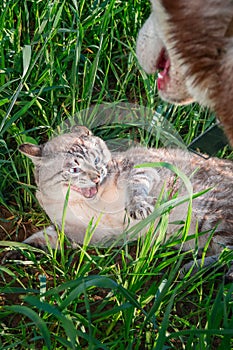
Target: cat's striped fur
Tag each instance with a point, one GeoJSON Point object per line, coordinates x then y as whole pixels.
{"type": "Point", "coordinates": [107, 184]}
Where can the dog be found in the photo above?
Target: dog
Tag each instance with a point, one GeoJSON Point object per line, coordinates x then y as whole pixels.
{"type": "Point", "coordinates": [190, 44]}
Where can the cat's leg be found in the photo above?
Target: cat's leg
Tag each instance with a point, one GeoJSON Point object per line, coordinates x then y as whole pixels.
{"type": "Point", "coordinates": [195, 266]}
{"type": "Point", "coordinates": [44, 238]}
{"type": "Point", "coordinates": [139, 204]}
{"type": "Point", "coordinates": [208, 261]}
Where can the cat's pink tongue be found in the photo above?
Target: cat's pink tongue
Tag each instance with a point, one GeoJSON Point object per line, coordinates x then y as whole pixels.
{"type": "Point", "coordinates": [88, 192]}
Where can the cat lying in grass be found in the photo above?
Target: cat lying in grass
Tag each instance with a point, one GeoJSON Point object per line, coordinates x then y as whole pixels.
{"type": "Point", "coordinates": [190, 43]}
{"type": "Point", "coordinates": [107, 187]}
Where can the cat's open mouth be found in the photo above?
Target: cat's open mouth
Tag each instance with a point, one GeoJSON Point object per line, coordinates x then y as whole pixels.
{"type": "Point", "coordinates": [163, 65]}
{"type": "Point", "coordinates": [87, 192]}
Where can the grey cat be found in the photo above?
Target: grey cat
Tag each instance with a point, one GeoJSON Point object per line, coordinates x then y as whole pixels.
{"type": "Point", "coordinates": [107, 188]}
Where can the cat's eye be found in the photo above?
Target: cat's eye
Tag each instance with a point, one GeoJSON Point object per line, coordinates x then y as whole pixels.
{"type": "Point", "coordinates": [97, 160]}
{"type": "Point", "coordinates": [74, 170]}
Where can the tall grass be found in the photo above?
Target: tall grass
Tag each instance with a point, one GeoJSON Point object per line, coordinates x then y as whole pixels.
{"type": "Point", "coordinates": [58, 58]}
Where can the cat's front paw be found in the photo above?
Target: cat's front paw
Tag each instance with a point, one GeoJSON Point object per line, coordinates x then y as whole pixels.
{"type": "Point", "coordinates": [140, 210]}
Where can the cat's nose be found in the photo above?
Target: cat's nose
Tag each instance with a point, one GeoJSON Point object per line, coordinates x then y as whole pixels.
{"type": "Point", "coordinates": [96, 179]}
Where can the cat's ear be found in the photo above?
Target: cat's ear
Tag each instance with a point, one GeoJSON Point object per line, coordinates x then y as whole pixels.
{"type": "Point", "coordinates": [32, 151]}
{"type": "Point", "coordinates": [81, 131]}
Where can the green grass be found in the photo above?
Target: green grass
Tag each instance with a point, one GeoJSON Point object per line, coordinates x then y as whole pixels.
{"type": "Point", "coordinates": [58, 58]}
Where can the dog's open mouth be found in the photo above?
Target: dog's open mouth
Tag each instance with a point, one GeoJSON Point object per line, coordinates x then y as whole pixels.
{"type": "Point", "coordinates": [163, 65]}
{"type": "Point", "coordinates": [87, 192]}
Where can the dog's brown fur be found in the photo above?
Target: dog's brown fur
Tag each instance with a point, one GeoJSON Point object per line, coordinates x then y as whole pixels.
{"type": "Point", "coordinates": [198, 40]}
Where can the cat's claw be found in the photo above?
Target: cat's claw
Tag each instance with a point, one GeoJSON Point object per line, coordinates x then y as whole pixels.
{"type": "Point", "coordinates": [140, 211]}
